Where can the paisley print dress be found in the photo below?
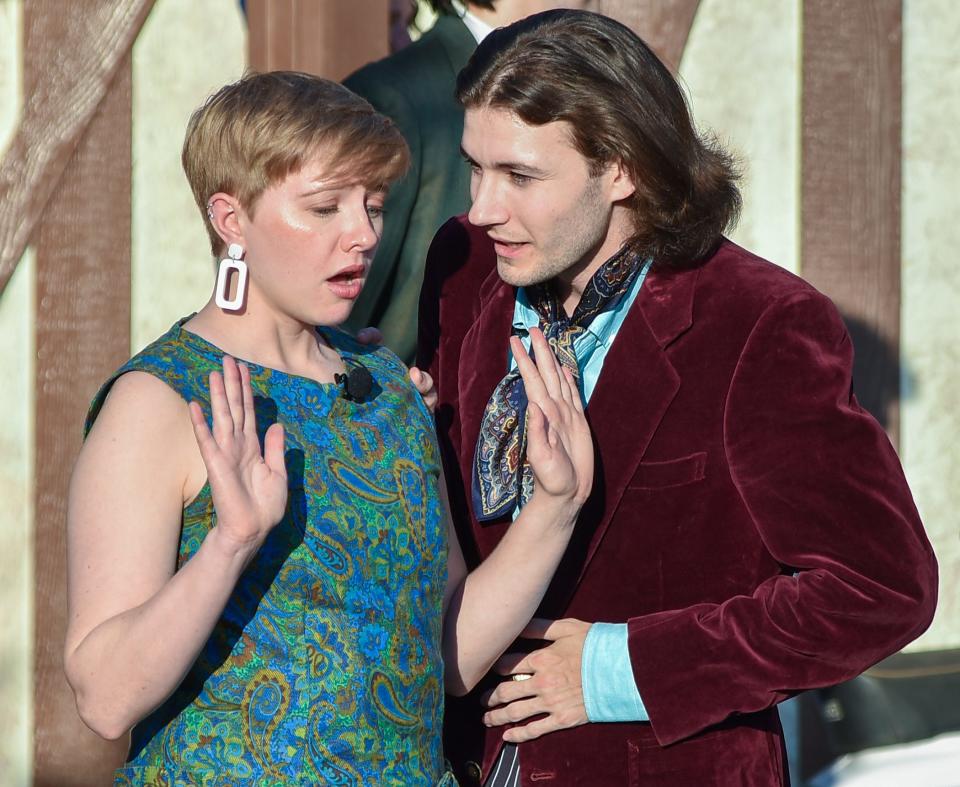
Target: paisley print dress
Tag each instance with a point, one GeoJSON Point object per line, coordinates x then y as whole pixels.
{"type": "Point", "coordinates": [325, 666]}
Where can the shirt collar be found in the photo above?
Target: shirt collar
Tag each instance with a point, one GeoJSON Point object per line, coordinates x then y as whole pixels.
{"type": "Point", "coordinates": [601, 331]}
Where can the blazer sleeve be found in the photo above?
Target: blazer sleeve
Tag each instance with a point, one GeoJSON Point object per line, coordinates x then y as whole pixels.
{"type": "Point", "coordinates": [825, 490]}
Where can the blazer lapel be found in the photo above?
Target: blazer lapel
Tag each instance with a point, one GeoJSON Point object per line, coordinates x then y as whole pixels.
{"type": "Point", "coordinates": [635, 388]}
{"type": "Point", "coordinates": [483, 363]}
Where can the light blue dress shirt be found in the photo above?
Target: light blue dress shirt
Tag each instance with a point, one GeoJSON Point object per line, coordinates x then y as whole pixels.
{"type": "Point", "coordinates": [609, 690]}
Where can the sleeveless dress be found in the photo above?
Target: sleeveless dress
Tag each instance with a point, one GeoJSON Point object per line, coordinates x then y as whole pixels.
{"type": "Point", "coordinates": [325, 667]}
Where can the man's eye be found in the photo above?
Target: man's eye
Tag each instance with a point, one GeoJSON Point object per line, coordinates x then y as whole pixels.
{"type": "Point", "coordinates": [375, 211]}
{"type": "Point", "coordinates": [520, 180]}
{"type": "Point", "coordinates": [325, 210]}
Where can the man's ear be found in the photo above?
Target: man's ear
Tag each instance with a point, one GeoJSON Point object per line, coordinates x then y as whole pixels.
{"type": "Point", "coordinates": [223, 210]}
{"type": "Point", "coordinates": [620, 182]}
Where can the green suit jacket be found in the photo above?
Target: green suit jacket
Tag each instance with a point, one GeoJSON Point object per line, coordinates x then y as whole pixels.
{"type": "Point", "coordinates": [415, 87]}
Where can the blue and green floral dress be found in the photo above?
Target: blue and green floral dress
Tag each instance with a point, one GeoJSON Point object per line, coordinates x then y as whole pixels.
{"type": "Point", "coordinates": [325, 668]}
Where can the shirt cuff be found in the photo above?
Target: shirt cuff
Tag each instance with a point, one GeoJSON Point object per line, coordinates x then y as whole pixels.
{"type": "Point", "coordinates": [609, 690]}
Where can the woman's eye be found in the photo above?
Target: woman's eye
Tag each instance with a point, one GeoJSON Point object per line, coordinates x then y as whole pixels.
{"type": "Point", "coordinates": [375, 211]}
{"type": "Point", "coordinates": [325, 210]}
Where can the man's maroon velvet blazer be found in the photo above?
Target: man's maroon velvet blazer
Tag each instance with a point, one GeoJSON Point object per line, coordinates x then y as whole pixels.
{"type": "Point", "coordinates": [749, 520]}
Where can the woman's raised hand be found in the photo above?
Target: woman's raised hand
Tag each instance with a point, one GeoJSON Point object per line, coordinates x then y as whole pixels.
{"type": "Point", "coordinates": [249, 489]}
{"type": "Point", "coordinates": [559, 444]}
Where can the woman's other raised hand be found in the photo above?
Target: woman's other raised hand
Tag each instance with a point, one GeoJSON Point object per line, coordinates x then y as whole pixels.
{"type": "Point", "coordinates": [559, 444]}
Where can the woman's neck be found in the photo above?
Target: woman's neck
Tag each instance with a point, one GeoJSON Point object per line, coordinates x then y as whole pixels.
{"type": "Point", "coordinates": [256, 335]}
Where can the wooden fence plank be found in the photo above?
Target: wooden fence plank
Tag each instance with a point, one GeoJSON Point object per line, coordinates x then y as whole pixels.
{"type": "Point", "coordinates": [850, 247]}
{"type": "Point", "coordinates": [82, 334]}
{"type": "Point", "coordinates": [663, 24]}
{"type": "Point", "coordinates": [330, 39]}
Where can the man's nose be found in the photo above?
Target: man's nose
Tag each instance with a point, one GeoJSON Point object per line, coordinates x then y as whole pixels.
{"type": "Point", "coordinates": [488, 207]}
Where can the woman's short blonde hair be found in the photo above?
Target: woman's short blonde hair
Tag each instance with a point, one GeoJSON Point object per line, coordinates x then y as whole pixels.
{"type": "Point", "coordinates": [252, 133]}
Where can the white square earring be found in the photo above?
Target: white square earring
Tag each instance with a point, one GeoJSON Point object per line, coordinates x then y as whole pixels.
{"type": "Point", "coordinates": [231, 262]}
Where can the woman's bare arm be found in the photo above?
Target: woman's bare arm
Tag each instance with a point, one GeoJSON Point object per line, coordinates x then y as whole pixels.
{"type": "Point", "coordinates": [135, 623]}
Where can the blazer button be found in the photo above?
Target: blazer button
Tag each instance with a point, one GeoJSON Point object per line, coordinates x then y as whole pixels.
{"type": "Point", "coordinates": [474, 772]}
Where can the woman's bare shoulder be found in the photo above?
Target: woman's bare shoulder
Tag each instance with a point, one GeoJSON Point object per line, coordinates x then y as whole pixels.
{"type": "Point", "coordinates": [143, 427]}
{"type": "Point", "coordinates": [143, 399]}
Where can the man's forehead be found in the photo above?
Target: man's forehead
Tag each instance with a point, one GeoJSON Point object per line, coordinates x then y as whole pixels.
{"type": "Point", "coordinates": [501, 129]}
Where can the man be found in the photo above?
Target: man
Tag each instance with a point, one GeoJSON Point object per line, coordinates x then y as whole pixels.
{"type": "Point", "coordinates": [750, 534]}
{"type": "Point", "coordinates": [415, 87]}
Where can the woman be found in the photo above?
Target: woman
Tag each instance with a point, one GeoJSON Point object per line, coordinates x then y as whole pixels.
{"type": "Point", "coordinates": [278, 618]}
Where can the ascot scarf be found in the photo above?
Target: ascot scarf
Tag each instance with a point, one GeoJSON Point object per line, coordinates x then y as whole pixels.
{"type": "Point", "coordinates": [502, 477]}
